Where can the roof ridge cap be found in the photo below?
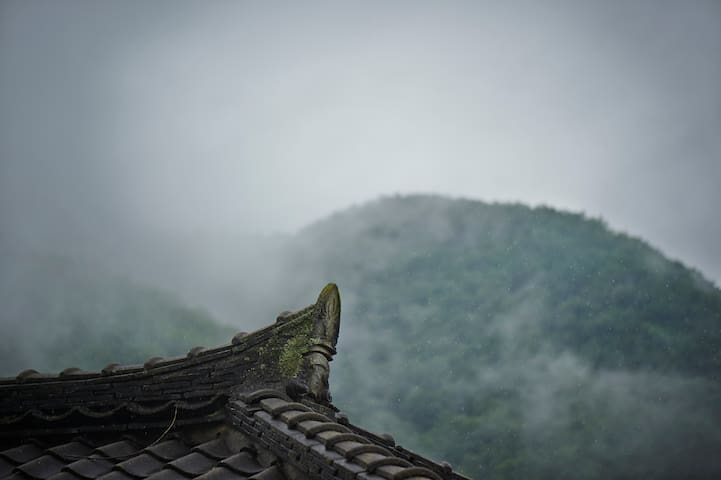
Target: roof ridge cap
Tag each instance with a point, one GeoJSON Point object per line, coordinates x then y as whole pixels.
{"type": "Point", "coordinates": [264, 417]}
{"type": "Point", "coordinates": [30, 376]}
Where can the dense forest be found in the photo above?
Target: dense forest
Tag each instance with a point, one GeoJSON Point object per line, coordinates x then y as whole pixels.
{"type": "Point", "coordinates": [511, 341]}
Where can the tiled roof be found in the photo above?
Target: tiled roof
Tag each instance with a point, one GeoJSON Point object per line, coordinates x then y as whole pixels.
{"type": "Point", "coordinates": [319, 444]}
{"type": "Point", "coordinates": [174, 459]}
{"type": "Point", "coordinates": [257, 408]}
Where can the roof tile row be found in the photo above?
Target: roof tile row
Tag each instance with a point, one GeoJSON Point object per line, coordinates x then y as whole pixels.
{"type": "Point", "coordinates": [172, 459]}
{"type": "Point", "coordinates": [295, 427]}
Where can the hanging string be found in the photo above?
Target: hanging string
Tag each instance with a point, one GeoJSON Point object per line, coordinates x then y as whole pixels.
{"type": "Point", "coordinates": [136, 452]}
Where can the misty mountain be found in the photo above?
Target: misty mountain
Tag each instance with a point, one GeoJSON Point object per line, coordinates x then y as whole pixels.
{"type": "Point", "coordinates": [59, 312]}
{"type": "Point", "coordinates": [520, 342]}
{"type": "Point", "coordinates": [606, 296]}
{"type": "Point", "coordinates": [511, 341]}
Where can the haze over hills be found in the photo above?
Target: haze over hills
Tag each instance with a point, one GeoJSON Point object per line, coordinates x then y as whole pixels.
{"type": "Point", "coordinates": [512, 341]}
{"type": "Point", "coordinates": [59, 312]}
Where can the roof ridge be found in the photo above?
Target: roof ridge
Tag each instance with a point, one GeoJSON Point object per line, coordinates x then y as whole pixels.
{"type": "Point", "coordinates": [240, 339]}
{"type": "Point", "coordinates": [315, 442]}
{"type": "Point", "coordinates": [294, 353]}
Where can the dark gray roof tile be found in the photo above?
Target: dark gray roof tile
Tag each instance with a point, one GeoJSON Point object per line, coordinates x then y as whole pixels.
{"type": "Point", "coordinates": [293, 418]}
{"type": "Point", "coordinates": [371, 450]}
{"type": "Point", "coordinates": [42, 467]}
{"type": "Point", "coordinates": [388, 466]}
{"type": "Point", "coordinates": [74, 371]}
{"type": "Point", "coordinates": [141, 465]}
{"type": "Point", "coordinates": [91, 467]}
{"type": "Point", "coordinates": [311, 428]}
{"type": "Point", "coordinates": [29, 373]}
{"type": "Point", "coordinates": [169, 450]}
{"type": "Point", "coordinates": [351, 467]}
{"type": "Point", "coordinates": [243, 462]}
{"type": "Point", "coordinates": [415, 472]}
{"type": "Point", "coordinates": [221, 473]}
{"type": "Point", "coordinates": [370, 476]}
{"type": "Point", "coordinates": [328, 456]}
{"type": "Point", "coordinates": [72, 450]}
{"type": "Point", "coordinates": [109, 368]}
{"type": "Point", "coordinates": [17, 476]}
{"type": "Point", "coordinates": [272, 473]}
{"type": "Point", "coordinates": [151, 362]}
{"type": "Point", "coordinates": [118, 449]}
{"type": "Point", "coordinates": [216, 449]}
{"type": "Point", "coordinates": [350, 439]}
{"type": "Point", "coordinates": [326, 435]}
{"type": "Point", "coordinates": [168, 474]}
{"type": "Point", "coordinates": [66, 475]}
{"type": "Point", "coordinates": [116, 475]}
{"type": "Point", "coordinates": [388, 471]}
{"type": "Point", "coordinates": [276, 406]}
{"type": "Point", "coordinates": [193, 464]}
{"type": "Point", "coordinates": [368, 458]}
{"type": "Point", "coordinates": [22, 454]}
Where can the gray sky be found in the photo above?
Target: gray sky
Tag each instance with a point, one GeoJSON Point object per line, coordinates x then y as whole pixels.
{"type": "Point", "coordinates": [125, 119]}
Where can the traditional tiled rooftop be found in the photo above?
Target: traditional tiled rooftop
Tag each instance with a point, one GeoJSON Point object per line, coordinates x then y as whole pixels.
{"type": "Point", "coordinates": [258, 408]}
{"type": "Point", "coordinates": [173, 459]}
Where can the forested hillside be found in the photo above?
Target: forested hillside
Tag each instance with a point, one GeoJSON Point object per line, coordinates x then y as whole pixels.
{"type": "Point", "coordinates": [59, 312]}
{"type": "Point", "coordinates": [514, 342]}
{"type": "Point", "coordinates": [521, 343]}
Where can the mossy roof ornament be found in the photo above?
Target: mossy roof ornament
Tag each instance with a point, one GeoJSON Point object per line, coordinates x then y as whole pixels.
{"type": "Point", "coordinates": [257, 408]}
{"type": "Point", "coordinates": [324, 338]}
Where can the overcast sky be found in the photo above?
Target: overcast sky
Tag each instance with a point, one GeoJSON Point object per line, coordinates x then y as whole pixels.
{"type": "Point", "coordinates": [121, 118]}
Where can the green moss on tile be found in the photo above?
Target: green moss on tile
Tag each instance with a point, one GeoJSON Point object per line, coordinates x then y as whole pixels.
{"type": "Point", "coordinates": [287, 353]}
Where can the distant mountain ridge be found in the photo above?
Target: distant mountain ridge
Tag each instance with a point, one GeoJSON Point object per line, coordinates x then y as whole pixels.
{"type": "Point", "coordinates": [628, 294]}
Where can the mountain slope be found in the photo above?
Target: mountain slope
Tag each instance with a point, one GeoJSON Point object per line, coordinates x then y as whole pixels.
{"type": "Point", "coordinates": [520, 342]}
